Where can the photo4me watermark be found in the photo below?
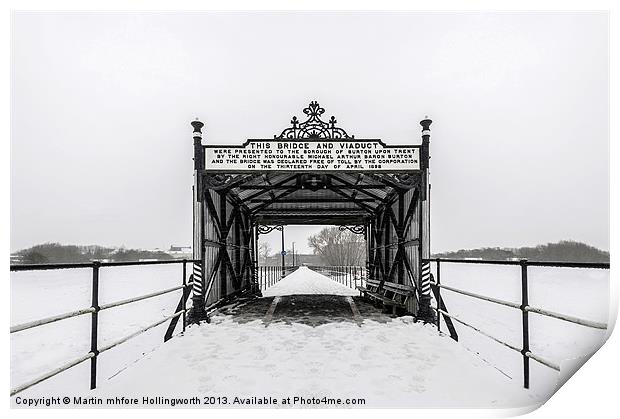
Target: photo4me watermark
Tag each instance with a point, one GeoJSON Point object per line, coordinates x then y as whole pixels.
{"type": "Point", "coordinates": [160, 401]}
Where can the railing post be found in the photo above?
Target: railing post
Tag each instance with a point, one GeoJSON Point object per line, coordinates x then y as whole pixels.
{"type": "Point", "coordinates": [438, 281]}
{"type": "Point", "coordinates": [93, 325]}
{"type": "Point", "coordinates": [525, 325]}
{"type": "Point", "coordinates": [183, 293]}
{"type": "Point", "coordinates": [350, 275]}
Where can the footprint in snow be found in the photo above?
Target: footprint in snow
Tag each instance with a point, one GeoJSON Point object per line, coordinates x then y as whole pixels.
{"type": "Point", "coordinates": [260, 353]}
{"type": "Point", "coordinates": [241, 338]}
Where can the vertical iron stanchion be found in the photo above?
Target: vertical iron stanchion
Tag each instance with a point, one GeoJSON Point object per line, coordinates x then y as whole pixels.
{"type": "Point", "coordinates": [93, 325]}
{"type": "Point", "coordinates": [283, 252]}
{"type": "Point", "coordinates": [183, 293]}
{"type": "Point", "coordinates": [525, 325]}
{"type": "Point", "coordinates": [438, 281]}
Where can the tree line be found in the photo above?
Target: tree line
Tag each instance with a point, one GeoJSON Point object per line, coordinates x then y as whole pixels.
{"type": "Point", "coordinates": [62, 253]}
{"type": "Point", "coordinates": [563, 251]}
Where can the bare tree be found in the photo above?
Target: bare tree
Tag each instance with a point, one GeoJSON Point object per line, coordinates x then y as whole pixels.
{"type": "Point", "coordinates": [337, 247]}
{"type": "Point", "coordinates": [264, 251]}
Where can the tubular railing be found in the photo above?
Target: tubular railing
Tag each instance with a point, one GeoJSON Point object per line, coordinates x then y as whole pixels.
{"type": "Point", "coordinates": [267, 276]}
{"type": "Point", "coordinates": [524, 306]}
{"type": "Point", "coordinates": [348, 275]}
{"type": "Point", "coordinates": [94, 311]}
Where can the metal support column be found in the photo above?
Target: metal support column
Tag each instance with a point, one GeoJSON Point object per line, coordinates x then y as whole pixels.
{"type": "Point", "coordinates": [198, 288]}
{"type": "Point", "coordinates": [425, 313]}
{"type": "Point", "coordinates": [283, 253]}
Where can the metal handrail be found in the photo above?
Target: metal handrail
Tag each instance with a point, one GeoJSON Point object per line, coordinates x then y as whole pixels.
{"type": "Point", "coordinates": [543, 312]}
{"type": "Point", "coordinates": [524, 306]}
{"type": "Point", "coordinates": [143, 297]}
{"type": "Point", "coordinates": [478, 296]}
{"type": "Point", "coordinates": [139, 332]}
{"type": "Point", "coordinates": [529, 354]}
{"type": "Point", "coordinates": [79, 265]}
{"type": "Point", "coordinates": [566, 318]}
{"type": "Point", "coordinates": [94, 310]}
{"type": "Point", "coordinates": [47, 320]}
{"type": "Point", "coordinates": [557, 264]}
{"type": "Point", "coordinates": [52, 373]}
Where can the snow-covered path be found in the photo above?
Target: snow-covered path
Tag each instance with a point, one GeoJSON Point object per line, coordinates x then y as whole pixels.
{"type": "Point", "coordinates": [307, 281]}
{"type": "Point", "coordinates": [390, 362]}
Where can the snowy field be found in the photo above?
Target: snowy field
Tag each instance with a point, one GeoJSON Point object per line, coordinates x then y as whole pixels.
{"type": "Point", "coordinates": [388, 363]}
{"type": "Point", "coordinates": [582, 293]}
{"type": "Point", "coordinates": [39, 294]}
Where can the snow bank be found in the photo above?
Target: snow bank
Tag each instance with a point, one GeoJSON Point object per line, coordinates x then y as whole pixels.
{"type": "Point", "coordinates": [307, 281]}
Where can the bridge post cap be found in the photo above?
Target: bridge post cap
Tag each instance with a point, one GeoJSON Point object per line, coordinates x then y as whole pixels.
{"type": "Point", "coordinates": [197, 126]}
{"type": "Point", "coordinates": [426, 123]}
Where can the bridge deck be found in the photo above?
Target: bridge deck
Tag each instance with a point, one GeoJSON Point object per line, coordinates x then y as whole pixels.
{"type": "Point", "coordinates": [322, 346]}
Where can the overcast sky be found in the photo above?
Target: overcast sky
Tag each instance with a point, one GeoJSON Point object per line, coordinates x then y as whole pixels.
{"type": "Point", "coordinates": [101, 147]}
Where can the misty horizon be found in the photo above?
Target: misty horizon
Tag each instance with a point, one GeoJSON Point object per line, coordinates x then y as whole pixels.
{"type": "Point", "coordinates": [101, 146]}
{"type": "Point", "coordinates": [276, 247]}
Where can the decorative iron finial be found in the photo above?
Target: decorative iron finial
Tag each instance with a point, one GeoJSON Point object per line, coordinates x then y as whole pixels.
{"type": "Point", "coordinates": [197, 128]}
{"type": "Point", "coordinates": [314, 109]}
{"type": "Point", "coordinates": [426, 125]}
{"type": "Point", "coordinates": [426, 131]}
{"type": "Point", "coordinates": [314, 127]}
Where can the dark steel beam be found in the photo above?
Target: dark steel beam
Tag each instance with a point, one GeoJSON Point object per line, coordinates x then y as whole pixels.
{"type": "Point", "coordinates": [357, 188]}
{"type": "Point", "coordinates": [312, 200]}
{"type": "Point", "coordinates": [274, 199]}
{"type": "Point", "coordinates": [268, 188]}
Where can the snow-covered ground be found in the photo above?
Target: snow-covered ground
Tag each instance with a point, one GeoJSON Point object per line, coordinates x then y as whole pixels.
{"type": "Point", "coordinates": [387, 361]}
{"type": "Point", "coordinates": [39, 294]}
{"type": "Point", "coordinates": [582, 293]}
{"type": "Point", "coordinates": [306, 281]}
{"type": "Point", "coordinates": [394, 364]}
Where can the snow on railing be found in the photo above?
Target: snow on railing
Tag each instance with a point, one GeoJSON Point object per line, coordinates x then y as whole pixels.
{"type": "Point", "coordinates": [94, 310]}
{"type": "Point", "coordinates": [524, 307]}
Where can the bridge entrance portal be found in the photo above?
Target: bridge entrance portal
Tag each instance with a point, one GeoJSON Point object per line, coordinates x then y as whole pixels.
{"type": "Point", "coordinates": [313, 172]}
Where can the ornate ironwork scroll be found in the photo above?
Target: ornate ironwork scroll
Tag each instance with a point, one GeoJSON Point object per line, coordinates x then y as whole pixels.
{"type": "Point", "coordinates": [403, 180]}
{"type": "Point", "coordinates": [356, 229]}
{"type": "Point", "coordinates": [262, 229]}
{"type": "Point", "coordinates": [216, 181]}
{"type": "Point", "coordinates": [314, 127]}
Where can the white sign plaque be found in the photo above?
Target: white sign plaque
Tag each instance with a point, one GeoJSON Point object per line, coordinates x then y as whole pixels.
{"type": "Point", "coordinates": [312, 155]}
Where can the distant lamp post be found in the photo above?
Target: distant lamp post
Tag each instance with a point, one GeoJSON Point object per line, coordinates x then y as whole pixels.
{"type": "Point", "coordinates": [293, 253]}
